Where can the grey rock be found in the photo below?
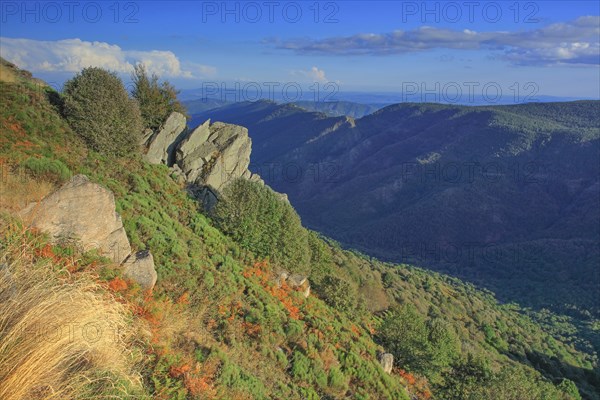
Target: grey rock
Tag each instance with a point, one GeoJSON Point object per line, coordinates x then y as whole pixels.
{"type": "Point", "coordinates": [193, 140]}
{"type": "Point", "coordinates": [208, 158]}
{"type": "Point", "coordinates": [387, 362]}
{"type": "Point", "coordinates": [82, 211]}
{"type": "Point", "coordinates": [282, 277]}
{"type": "Point", "coordinates": [146, 135]}
{"type": "Point", "coordinates": [192, 164]}
{"type": "Point", "coordinates": [214, 155]}
{"type": "Point", "coordinates": [161, 146]}
{"type": "Point", "coordinates": [296, 282]}
{"type": "Point", "coordinates": [139, 267]}
{"type": "Point", "coordinates": [205, 196]}
{"type": "Point", "coordinates": [306, 291]}
{"type": "Point", "coordinates": [177, 174]}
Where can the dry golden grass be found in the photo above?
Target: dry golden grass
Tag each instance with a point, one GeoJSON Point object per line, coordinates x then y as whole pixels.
{"type": "Point", "coordinates": [59, 336]}
{"type": "Point", "coordinates": [7, 74]}
{"type": "Point", "coordinates": [18, 189]}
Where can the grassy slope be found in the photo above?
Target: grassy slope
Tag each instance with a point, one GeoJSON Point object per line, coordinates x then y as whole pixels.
{"type": "Point", "coordinates": [221, 329]}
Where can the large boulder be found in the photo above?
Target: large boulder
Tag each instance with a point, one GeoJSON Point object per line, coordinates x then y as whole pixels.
{"type": "Point", "coordinates": [139, 267]}
{"type": "Point", "coordinates": [161, 146]}
{"type": "Point", "coordinates": [214, 155]}
{"type": "Point", "coordinates": [387, 362]}
{"type": "Point", "coordinates": [82, 211]}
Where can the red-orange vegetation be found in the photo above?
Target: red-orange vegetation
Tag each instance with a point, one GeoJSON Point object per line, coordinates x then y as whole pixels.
{"type": "Point", "coordinates": [117, 285]}
{"type": "Point", "coordinates": [261, 270]}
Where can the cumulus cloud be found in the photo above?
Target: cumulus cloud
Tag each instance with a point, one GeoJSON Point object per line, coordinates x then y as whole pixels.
{"type": "Point", "coordinates": [72, 55]}
{"type": "Point", "coordinates": [314, 74]}
{"type": "Point", "coordinates": [573, 42]}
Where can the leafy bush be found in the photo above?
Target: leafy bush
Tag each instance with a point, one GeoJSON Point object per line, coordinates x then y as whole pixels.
{"type": "Point", "coordinates": [404, 333]}
{"type": "Point", "coordinates": [570, 389]}
{"type": "Point", "coordinates": [47, 169]}
{"type": "Point", "coordinates": [337, 380]}
{"type": "Point", "coordinates": [157, 100]}
{"type": "Point", "coordinates": [256, 218]}
{"type": "Point", "coordinates": [338, 293]}
{"type": "Point", "coordinates": [99, 109]}
{"type": "Point", "coordinates": [466, 378]}
{"type": "Point", "coordinates": [473, 378]}
{"type": "Point", "coordinates": [301, 367]}
{"type": "Point", "coordinates": [425, 346]}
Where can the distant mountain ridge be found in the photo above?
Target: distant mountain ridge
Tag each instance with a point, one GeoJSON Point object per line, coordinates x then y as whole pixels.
{"type": "Point", "coordinates": [340, 108]}
{"type": "Point", "coordinates": [425, 182]}
{"type": "Point", "coordinates": [330, 108]}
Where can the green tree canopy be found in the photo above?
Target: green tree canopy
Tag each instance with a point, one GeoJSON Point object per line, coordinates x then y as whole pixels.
{"type": "Point", "coordinates": [98, 108]}
{"type": "Point", "coordinates": [157, 99]}
{"type": "Point", "coordinates": [261, 222]}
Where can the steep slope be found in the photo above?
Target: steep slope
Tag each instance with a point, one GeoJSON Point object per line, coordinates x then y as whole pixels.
{"type": "Point", "coordinates": [504, 196]}
{"type": "Point", "coordinates": [219, 327]}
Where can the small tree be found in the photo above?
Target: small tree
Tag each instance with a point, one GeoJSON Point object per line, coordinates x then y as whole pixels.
{"type": "Point", "coordinates": [570, 389]}
{"type": "Point", "coordinates": [404, 333]}
{"type": "Point", "coordinates": [261, 222]}
{"type": "Point", "coordinates": [157, 99]}
{"type": "Point", "coordinates": [338, 293]}
{"type": "Point", "coordinates": [98, 108]}
{"type": "Point", "coordinates": [467, 379]}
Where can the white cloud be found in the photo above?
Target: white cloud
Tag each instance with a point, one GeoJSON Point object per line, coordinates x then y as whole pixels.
{"type": "Point", "coordinates": [314, 74]}
{"type": "Point", "coordinates": [573, 42]}
{"type": "Point", "coordinates": [72, 55]}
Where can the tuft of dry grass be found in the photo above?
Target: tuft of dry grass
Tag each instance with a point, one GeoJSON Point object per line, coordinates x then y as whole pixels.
{"type": "Point", "coordinates": [17, 189]}
{"type": "Point", "coordinates": [60, 337]}
{"type": "Point", "coordinates": [7, 73]}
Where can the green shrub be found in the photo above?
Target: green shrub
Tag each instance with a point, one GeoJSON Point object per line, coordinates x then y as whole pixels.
{"type": "Point", "coordinates": [98, 108]}
{"type": "Point", "coordinates": [405, 334]}
{"type": "Point", "coordinates": [259, 221]}
{"type": "Point", "coordinates": [301, 367]}
{"type": "Point", "coordinates": [466, 379]}
{"type": "Point", "coordinates": [47, 169]}
{"type": "Point", "coordinates": [209, 280]}
{"type": "Point", "coordinates": [337, 380]}
{"type": "Point", "coordinates": [570, 389]}
{"type": "Point", "coordinates": [338, 293]}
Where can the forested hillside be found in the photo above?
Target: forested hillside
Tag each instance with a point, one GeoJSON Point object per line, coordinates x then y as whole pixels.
{"type": "Point", "coordinates": [219, 323]}
{"type": "Point", "coordinates": [503, 196]}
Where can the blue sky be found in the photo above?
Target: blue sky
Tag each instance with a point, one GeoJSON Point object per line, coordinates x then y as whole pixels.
{"type": "Point", "coordinates": [550, 47]}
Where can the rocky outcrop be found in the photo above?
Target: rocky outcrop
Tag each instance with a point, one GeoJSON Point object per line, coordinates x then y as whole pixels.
{"type": "Point", "coordinates": [161, 146]}
{"type": "Point", "coordinates": [295, 281]}
{"type": "Point", "coordinates": [139, 267]}
{"type": "Point", "coordinates": [207, 158]}
{"type": "Point", "coordinates": [214, 155]}
{"type": "Point", "coordinates": [82, 211]}
{"type": "Point", "coordinates": [146, 135]}
{"type": "Point", "coordinates": [387, 362]}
